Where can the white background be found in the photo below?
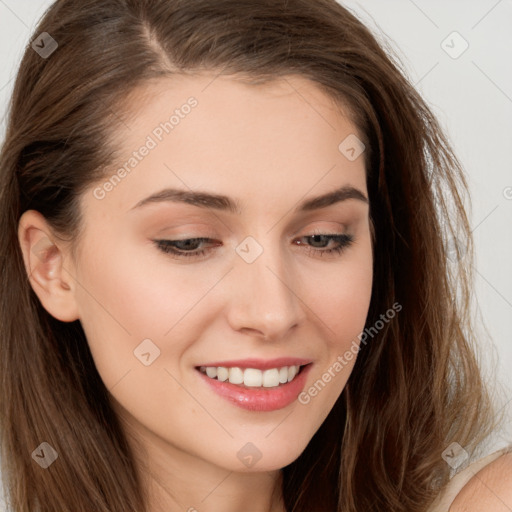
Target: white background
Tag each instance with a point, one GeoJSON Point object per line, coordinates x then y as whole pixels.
{"type": "Point", "coordinates": [472, 97]}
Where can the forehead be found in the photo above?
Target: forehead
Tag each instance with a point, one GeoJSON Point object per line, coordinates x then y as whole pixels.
{"type": "Point", "coordinates": [228, 136]}
{"type": "Point", "coordinates": [235, 102]}
{"type": "Point", "coordinates": [210, 86]}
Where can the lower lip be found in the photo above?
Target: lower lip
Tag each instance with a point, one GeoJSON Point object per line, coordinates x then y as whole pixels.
{"type": "Point", "coordinates": [260, 399]}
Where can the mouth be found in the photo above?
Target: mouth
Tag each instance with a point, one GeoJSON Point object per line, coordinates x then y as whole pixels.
{"type": "Point", "coordinates": [251, 378]}
{"type": "Point", "coordinates": [257, 385]}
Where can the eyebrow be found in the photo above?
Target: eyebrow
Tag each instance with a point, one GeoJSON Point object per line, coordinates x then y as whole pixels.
{"type": "Point", "coordinates": [225, 203]}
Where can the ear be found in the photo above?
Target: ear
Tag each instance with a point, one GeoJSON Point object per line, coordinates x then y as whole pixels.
{"type": "Point", "coordinates": [45, 260]}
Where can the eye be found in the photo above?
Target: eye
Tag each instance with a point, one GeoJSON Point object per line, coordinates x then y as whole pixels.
{"type": "Point", "coordinates": [183, 248]}
{"type": "Point", "coordinates": [316, 243]}
{"type": "Point", "coordinates": [341, 240]}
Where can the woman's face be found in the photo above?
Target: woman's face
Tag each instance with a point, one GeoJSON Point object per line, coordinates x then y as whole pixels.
{"type": "Point", "coordinates": [263, 292]}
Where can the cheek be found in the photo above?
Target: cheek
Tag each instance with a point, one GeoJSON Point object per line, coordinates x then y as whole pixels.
{"type": "Point", "coordinates": [340, 300]}
{"type": "Point", "coordinates": [340, 296]}
{"type": "Point", "coordinates": [129, 294]}
{"type": "Point", "coordinates": [123, 300]}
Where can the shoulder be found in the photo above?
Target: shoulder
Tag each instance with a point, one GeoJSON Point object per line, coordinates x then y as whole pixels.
{"type": "Point", "coordinates": [490, 489]}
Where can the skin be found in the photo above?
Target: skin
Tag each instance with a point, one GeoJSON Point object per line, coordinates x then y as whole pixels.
{"type": "Point", "coordinates": [490, 489]}
{"type": "Point", "coordinates": [270, 147]}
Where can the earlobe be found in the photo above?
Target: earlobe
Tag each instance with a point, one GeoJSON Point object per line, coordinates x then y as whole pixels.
{"type": "Point", "coordinates": [44, 258]}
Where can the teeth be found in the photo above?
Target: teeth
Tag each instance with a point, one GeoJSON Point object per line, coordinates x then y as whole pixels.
{"type": "Point", "coordinates": [236, 376]}
{"type": "Point", "coordinates": [211, 372]}
{"type": "Point", "coordinates": [222, 373]}
{"type": "Point", "coordinates": [271, 378]}
{"type": "Point", "coordinates": [252, 377]}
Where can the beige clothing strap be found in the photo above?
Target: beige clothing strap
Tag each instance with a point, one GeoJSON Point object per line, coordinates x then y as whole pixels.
{"type": "Point", "coordinates": [459, 480]}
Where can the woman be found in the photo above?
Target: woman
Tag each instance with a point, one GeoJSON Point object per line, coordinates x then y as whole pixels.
{"type": "Point", "coordinates": [226, 232]}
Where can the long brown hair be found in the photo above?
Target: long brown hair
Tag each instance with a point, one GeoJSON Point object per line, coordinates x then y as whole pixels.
{"type": "Point", "coordinates": [415, 387]}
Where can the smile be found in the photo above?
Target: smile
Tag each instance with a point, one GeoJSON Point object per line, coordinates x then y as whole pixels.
{"type": "Point", "coordinates": [272, 385]}
{"type": "Point", "coordinates": [252, 377]}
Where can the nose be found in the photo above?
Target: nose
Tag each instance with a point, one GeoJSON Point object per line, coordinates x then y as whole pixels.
{"type": "Point", "coordinates": [264, 298]}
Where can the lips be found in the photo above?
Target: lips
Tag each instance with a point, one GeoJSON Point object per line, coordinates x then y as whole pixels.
{"type": "Point", "coordinates": [260, 364]}
{"type": "Point", "coordinates": [257, 385]}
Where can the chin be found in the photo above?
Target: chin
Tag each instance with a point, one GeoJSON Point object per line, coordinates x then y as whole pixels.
{"type": "Point", "coordinates": [263, 455]}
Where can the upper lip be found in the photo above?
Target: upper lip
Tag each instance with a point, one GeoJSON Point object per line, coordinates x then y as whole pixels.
{"type": "Point", "coordinates": [260, 364]}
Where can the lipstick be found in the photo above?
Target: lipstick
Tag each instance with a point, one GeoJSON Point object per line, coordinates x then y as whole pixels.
{"type": "Point", "coordinates": [259, 398]}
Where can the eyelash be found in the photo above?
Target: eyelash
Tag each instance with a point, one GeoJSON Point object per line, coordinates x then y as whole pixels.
{"type": "Point", "coordinates": [166, 246]}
